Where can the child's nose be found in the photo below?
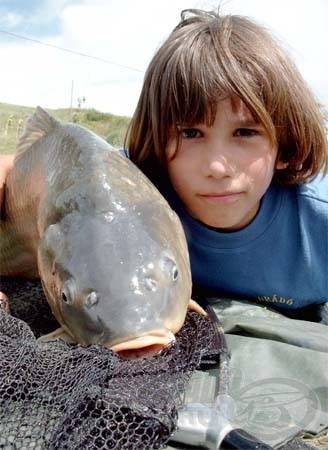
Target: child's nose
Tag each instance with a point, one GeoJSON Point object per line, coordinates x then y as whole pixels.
{"type": "Point", "coordinates": [218, 158]}
{"type": "Point", "coordinates": [219, 167]}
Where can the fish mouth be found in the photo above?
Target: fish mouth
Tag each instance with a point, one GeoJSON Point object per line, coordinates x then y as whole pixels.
{"type": "Point", "coordinates": [144, 346]}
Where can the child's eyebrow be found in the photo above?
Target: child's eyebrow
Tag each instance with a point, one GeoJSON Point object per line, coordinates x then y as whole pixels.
{"type": "Point", "coordinates": [249, 122]}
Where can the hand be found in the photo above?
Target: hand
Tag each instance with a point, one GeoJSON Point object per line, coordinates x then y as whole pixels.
{"type": "Point", "coordinates": [6, 164]}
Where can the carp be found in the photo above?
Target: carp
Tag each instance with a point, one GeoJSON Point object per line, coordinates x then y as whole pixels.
{"type": "Point", "coordinates": [110, 252]}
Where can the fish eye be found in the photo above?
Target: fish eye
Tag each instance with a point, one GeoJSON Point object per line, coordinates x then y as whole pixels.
{"type": "Point", "coordinates": [169, 266]}
{"type": "Point", "coordinates": [68, 292]}
{"type": "Point", "coordinates": [174, 273]}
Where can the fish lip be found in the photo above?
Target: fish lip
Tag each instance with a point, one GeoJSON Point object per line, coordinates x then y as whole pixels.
{"type": "Point", "coordinates": [157, 337]}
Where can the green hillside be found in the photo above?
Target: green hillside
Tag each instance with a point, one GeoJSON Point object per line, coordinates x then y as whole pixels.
{"type": "Point", "coordinates": [12, 119]}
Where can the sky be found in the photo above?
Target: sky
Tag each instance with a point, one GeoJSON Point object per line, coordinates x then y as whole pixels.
{"type": "Point", "coordinates": [109, 44]}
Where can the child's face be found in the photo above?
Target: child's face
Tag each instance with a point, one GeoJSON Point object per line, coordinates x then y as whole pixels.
{"type": "Point", "coordinates": [221, 173]}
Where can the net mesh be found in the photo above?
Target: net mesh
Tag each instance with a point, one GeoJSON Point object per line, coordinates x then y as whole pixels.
{"type": "Point", "coordinates": [62, 396]}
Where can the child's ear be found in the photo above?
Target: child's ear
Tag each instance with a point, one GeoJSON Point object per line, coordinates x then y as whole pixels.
{"type": "Point", "coordinates": [281, 165]}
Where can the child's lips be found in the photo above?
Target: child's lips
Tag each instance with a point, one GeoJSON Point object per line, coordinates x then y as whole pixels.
{"type": "Point", "coordinates": [221, 197]}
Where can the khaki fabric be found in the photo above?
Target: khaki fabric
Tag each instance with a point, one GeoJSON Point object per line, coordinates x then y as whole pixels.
{"type": "Point", "coordinates": [278, 372]}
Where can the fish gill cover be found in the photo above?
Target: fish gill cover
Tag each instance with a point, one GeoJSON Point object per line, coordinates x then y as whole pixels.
{"type": "Point", "coordinates": [63, 396]}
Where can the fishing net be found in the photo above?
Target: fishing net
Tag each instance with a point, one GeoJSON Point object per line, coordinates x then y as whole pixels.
{"type": "Point", "coordinates": [62, 396]}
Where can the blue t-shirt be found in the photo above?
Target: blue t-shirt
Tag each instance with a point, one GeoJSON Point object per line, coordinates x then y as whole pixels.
{"type": "Point", "coordinates": [280, 258]}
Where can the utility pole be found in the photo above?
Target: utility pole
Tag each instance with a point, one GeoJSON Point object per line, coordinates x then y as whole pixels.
{"type": "Point", "coordinates": [71, 103]}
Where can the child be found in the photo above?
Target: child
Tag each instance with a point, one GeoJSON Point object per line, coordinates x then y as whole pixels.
{"type": "Point", "coordinates": [230, 133]}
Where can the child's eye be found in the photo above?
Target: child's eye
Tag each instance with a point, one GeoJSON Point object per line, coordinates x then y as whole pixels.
{"type": "Point", "coordinates": [246, 132]}
{"type": "Point", "coordinates": [190, 133]}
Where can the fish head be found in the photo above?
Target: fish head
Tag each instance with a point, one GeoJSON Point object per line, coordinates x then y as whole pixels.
{"type": "Point", "coordinates": [121, 279]}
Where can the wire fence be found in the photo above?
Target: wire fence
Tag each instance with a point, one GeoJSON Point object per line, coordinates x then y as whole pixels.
{"type": "Point", "coordinates": [11, 128]}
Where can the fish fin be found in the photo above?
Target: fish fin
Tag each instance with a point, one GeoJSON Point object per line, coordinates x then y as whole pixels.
{"type": "Point", "coordinates": [194, 306]}
{"type": "Point", "coordinates": [59, 333]}
{"type": "Point", "coordinates": [38, 125]}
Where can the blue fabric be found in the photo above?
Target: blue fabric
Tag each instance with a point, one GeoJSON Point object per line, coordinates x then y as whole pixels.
{"type": "Point", "coordinates": [280, 259]}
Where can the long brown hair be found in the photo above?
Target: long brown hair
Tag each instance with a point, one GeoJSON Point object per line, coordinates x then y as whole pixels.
{"type": "Point", "coordinates": [208, 57]}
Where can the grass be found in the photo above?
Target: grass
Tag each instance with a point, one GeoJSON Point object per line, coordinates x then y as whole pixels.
{"type": "Point", "coordinates": [13, 117]}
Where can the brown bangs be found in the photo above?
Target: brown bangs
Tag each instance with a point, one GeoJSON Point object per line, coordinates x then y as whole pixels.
{"type": "Point", "coordinates": [191, 83]}
{"type": "Point", "coordinates": [209, 57]}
